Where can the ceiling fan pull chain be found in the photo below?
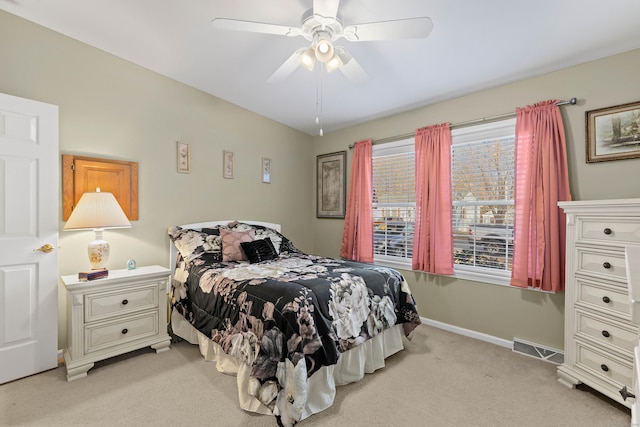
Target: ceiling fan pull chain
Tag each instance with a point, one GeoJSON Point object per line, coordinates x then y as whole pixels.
{"type": "Point", "coordinates": [319, 101]}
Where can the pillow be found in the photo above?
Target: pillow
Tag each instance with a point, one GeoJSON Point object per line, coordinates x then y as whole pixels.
{"type": "Point", "coordinates": [280, 243]}
{"type": "Point", "coordinates": [231, 249]}
{"type": "Point", "coordinates": [259, 250]}
{"type": "Point", "coordinates": [193, 243]}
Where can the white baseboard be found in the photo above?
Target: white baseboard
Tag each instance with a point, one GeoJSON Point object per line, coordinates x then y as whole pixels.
{"type": "Point", "coordinates": [468, 333]}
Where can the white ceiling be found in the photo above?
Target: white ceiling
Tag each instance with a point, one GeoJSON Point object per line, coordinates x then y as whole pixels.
{"type": "Point", "coordinates": [474, 45]}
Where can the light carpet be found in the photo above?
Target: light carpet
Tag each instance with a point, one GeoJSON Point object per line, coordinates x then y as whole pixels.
{"type": "Point", "coordinates": [440, 379]}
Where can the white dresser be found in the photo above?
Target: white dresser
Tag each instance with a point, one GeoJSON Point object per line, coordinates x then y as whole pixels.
{"type": "Point", "coordinates": [114, 315]}
{"type": "Point", "coordinates": [633, 277]}
{"type": "Point", "coordinates": [599, 334]}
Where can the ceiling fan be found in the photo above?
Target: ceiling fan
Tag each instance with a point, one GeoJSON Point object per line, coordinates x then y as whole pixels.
{"type": "Point", "coordinates": [322, 26]}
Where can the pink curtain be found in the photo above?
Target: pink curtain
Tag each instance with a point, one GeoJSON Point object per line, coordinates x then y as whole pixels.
{"type": "Point", "coordinates": [433, 238]}
{"type": "Point", "coordinates": [357, 238]}
{"type": "Point", "coordinates": [542, 180]}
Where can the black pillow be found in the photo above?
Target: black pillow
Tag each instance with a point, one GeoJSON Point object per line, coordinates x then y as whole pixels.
{"type": "Point", "coordinates": [259, 250]}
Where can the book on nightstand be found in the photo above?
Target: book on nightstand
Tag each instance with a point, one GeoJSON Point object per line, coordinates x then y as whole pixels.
{"type": "Point", "coordinates": [93, 275]}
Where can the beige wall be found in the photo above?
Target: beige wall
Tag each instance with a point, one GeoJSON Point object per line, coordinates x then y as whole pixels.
{"type": "Point", "coordinates": [112, 108]}
{"type": "Point", "coordinates": [502, 311]}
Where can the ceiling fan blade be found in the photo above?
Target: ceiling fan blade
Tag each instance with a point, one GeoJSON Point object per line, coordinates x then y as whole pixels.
{"type": "Point", "coordinates": [326, 9]}
{"type": "Point", "coordinates": [411, 28]}
{"type": "Point", "coordinates": [350, 67]}
{"type": "Point", "coordinates": [288, 67]}
{"type": "Point", "coordinates": [255, 27]}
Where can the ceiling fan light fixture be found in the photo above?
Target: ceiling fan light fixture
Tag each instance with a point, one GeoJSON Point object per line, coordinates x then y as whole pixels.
{"type": "Point", "coordinates": [308, 59]}
{"type": "Point", "coordinates": [324, 49]}
{"type": "Point", "coordinates": [334, 63]}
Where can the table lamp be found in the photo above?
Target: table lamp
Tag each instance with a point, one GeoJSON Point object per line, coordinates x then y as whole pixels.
{"type": "Point", "coordinates": [97, 211]}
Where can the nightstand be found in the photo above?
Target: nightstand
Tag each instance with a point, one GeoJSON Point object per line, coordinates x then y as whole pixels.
{"type": "Point", "coordinates": [114, 315]}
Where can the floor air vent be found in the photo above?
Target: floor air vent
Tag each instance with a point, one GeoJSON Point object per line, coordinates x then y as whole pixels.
{"type": "Point", "coordinates": [539, 352]}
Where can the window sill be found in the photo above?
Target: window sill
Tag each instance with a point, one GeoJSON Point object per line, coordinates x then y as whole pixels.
{"type": "Point", "coordinates": [392, 263]}
{"type": "Point", "coordinates": [493, 277]}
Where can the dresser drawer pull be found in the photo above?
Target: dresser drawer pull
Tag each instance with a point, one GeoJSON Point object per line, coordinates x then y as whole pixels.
{"type": "Point", "coordinates": [606, 299]}
{"type": "Point", "coordinates": [125, 301]}
{"type": "Point", "coordinates": [604, 367]}
{"type": "Point", "coordinates": [606, 265]}
{"type": "Point", "coordinates": [606, 334]}
{"type": "Point", "coordinates": [607, 231]}
{"type": "Point", "coordinates": [125, 330]}
{"type": "Point", "coordinates": [625, 393]}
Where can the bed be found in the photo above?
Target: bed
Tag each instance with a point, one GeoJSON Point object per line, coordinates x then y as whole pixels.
{"type": "Point", "coordinates": [289, 325]}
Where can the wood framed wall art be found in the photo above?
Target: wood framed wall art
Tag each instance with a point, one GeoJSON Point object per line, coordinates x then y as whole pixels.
{"type": "Point", "coordinates": [331, 186]}
{"type": "Point", "coordinates": [184, 157]}
{"type": "Point", "coordinates": [266, 170]}
{"type": "Point", "coordinates": [227, 164]}
{"type": "Point", "coordinates": [613, 133]}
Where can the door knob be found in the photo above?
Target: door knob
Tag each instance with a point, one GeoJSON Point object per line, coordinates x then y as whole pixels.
{"type": "Point", "coordinates": [46, 248]}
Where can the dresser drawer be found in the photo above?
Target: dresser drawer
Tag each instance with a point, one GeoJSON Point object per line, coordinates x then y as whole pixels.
{"type": "Point", "coordinates": [604, 366]}
{"type": "Point", "coordinates": [605, 264]}
{"type": "Point", "coordinates": [618, 230]}
{"type": "Point", "coordinates": [607, 333]}
{"type": "Point", "coordinates": [110, 334]}
{"type": "Point", "coordinates": [120, 302]}
{"type": "Point", "coordinates": [607, 299]}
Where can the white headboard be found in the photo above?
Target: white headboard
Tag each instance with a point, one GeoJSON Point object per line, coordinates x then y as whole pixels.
{"type": "Point", "coordinates": [173, 252]}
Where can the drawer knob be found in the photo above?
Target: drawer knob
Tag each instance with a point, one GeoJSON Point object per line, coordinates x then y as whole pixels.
{"type": "Point", "coordinates": [125, 301]}
{"type": "Point", "coordinates": [606, 265]}
{"type": "Point", "coordinates": [607, 231]}
{"type": "Point", "coordinates": [125, 330]}
{"type": "Point", "coordinates": [625, 393]}
{"type": "Point", "coordinates": [606, 299]}
{"type": "Point", "coordinates": [604, 367]}
{"type": "Point", "coordinates": [606, 334]}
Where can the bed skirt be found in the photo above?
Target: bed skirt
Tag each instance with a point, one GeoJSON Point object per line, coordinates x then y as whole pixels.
{"type": "Point", "coordinates": [351, 366]}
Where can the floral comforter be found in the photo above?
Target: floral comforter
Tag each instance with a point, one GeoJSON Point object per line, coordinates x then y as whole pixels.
{"type": "Point", "coordinates": [289, 316]}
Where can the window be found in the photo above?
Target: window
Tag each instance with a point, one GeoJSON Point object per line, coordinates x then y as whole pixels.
{"type": "Point", "coordinates": [394, 202]}
{"type": "Point", "coordinates": [482, 168]}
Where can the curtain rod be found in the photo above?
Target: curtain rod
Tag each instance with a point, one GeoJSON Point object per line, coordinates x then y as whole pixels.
{"type": "Point", "coordinates": [572, 101]}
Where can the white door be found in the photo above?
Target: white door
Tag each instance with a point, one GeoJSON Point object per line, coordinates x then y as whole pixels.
{"type": "Point", "coordinates": [29, 168]}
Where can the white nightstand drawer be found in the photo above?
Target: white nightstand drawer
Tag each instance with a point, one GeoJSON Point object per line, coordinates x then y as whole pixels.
{"type": "Point", "coordinates": [624, 337]}
{"type": "Point", "coordinates": [120, 313]}
{"type": "Point", "coordinates": [620, 230]}
{"type": "Point", "coordinates": [608, 299]}
{"type": "Point", "coordinates": [117, 303]}
{"type": "Point", "coordinates": [603, 365]}
{"type": "Point", "coordinates": [102, 335]}
{"type": "Point", "coordinates": [609, 265]}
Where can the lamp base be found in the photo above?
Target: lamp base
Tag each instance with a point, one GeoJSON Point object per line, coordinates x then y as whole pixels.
{"type": "Point", "coordinates": [98, 251]}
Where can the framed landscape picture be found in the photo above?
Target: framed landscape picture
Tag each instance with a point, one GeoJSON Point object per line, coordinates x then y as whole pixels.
{"type": "Point", "coordinates": [331, 186]}
{"type": "Point", "coordinates": [613, 133]}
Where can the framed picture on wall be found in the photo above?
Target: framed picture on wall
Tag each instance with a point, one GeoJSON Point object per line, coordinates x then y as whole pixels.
{"type": "Point", "coordinates": [266, 170]}
{"type": "Point", "coordinates": [331, 186]}
{"type": "Point", "coordinates": [613, 133]}
{"type": "Point", "coordinates": [227, 164]}
{"type": "Point", "coordinates": [184, 162]}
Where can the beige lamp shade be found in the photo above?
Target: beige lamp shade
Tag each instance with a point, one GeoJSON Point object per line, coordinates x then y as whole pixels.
{"type": "Point", "coordinates": [97, 211]}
